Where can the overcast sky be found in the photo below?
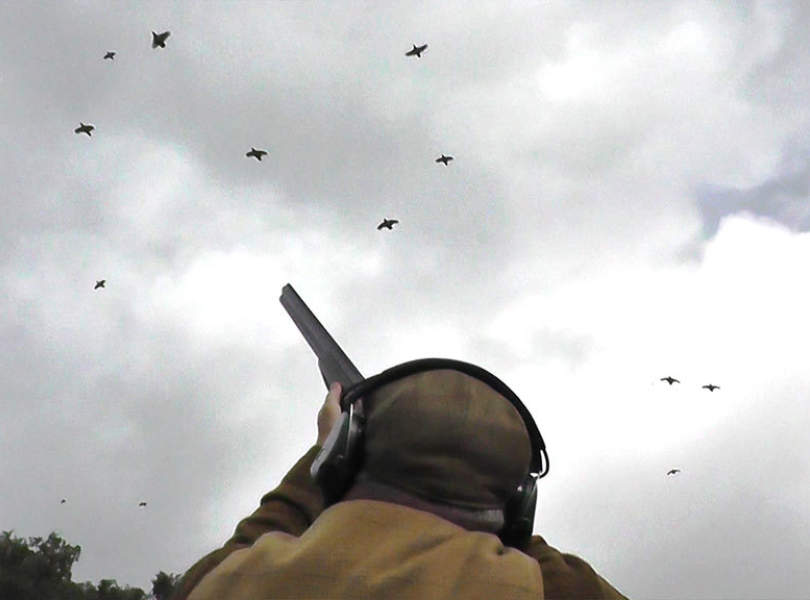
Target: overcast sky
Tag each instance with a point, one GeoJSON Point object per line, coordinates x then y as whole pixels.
{"type": "Point", "coordinates": [628, 200]}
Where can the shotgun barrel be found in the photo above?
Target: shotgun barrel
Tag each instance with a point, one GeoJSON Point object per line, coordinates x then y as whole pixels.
{"type": "Point", "coordinates": [332, 361]}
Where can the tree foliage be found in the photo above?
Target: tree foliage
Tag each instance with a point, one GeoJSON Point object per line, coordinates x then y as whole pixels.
{"type": "Point", "coordinates": [37, 569]}
{"type": "Point", "coordinates": [163, 585]}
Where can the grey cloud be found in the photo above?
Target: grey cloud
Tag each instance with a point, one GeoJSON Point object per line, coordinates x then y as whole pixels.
{"type": "Point", "coordinates": [115, 398]}
{"type": "Point", "coordinates": [545, 346]}
{"type": "Point", "coordinates": [781, 198]}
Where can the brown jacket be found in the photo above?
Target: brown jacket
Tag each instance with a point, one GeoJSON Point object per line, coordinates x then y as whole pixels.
{"type": "Point", "coordinates": [374, 549]}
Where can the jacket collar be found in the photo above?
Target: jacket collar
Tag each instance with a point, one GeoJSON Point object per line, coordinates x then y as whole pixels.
{"type": "Point", "coordinates": [487, 520]}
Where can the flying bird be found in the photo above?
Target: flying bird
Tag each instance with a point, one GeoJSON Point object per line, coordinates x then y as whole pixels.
{"type": "Point", "coordinates": [444, 159]}
{"type": "Point", "coordinates": [417, 51]}
{"type": "Point", "coordinates": [100, 283]}
{"type": "Point", "coordinates": [257, 153]}
{"type": "Point", "coordinates": [159, 39]}
{"type": "Point", "coordinates": [82, 128]}
{"type": "Point", "coordinates": [670, 380]}
{"type": "Point", "coordinates": [142, 504]}
{"type": "Point", "coordinates": [387, 224]}
{"type": "Point", "coordinates": [673, 471]}
{"type": "Point", "coordinates": [110, 55]}
{"type": "Point", "coordinates": [711, 387]}
{"type": "Point", "coordinates": [63, 501]}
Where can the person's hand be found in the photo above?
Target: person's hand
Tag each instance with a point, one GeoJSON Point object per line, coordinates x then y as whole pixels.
{"type": "Point", "coordinates": [329, 413]}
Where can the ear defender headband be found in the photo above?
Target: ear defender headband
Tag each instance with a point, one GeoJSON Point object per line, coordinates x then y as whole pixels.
{"type": "Point", "coordinates": [341, 457]}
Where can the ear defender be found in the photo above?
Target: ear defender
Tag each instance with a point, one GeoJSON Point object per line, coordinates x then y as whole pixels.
{"type": "Point", "coordinates": [336, 465]}
{"type": "Point", "coordinates": [341, 457]}
{"type": "Point", "coordinates": [519, 515]}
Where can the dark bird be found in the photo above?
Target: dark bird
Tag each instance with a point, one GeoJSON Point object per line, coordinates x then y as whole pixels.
{"type": "Point", "coordinates": [257, 153]}
{"type": "Point", "coordinates": [159, 39]}
{"type": "Point", "coordinates": [670, 380]}
{"type": "Point", "coordinates": [417, 51]}
{"type": "Point", "coordinates": [444, 159]}
{"type": "Point", "coordinates": [673, 471]}
{"type": "Point", "coordinates": [711, 387]}
{"type": "Point", "coordinates": [387, 224]}
{"type": "Point", "coordinates": [82, 128]}
{"type": "Point", "coordinates": [100, 283]}
{"type": "Point", "coordinates": [63, 501]}
{"type": "Point", "coordinates": [110, 55]}
{"type": "Point", "coordinates": [142, 504]}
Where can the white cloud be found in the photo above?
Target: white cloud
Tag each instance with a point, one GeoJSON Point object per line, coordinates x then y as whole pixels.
{"type": "Point", "coordinates": [737, 320]}
{"type": "Point", "coordinates": [549, 252]}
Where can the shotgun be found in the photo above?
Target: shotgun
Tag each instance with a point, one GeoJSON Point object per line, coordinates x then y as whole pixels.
{"type": "Point", "coordinates": [332, 361]}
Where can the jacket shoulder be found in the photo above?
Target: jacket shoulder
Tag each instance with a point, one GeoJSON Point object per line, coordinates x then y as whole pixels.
{"type": "Point", "coordinates": [569, 576]}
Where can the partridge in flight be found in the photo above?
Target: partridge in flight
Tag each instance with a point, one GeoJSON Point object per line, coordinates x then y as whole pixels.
{"type": "Point", "coordinates": [444, 159]}
{"type": "Point", "coordinates": [670, 380]}
{"type": "Point", "coordinates": [159, 39]}
{"type": "Point", "coordinates": [417, 51]}
{"type": "Point", "coordinates": [256, 153]}
{"type": "Point", "coordinates": [82, 128]}
{"type": "Point", "coordinates": [387, 224]}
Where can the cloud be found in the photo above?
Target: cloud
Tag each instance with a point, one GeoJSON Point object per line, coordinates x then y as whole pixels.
{"type": "Point", "coordinates": [626, 203]}
{"type": "Point", "coordinates": [781, 197]}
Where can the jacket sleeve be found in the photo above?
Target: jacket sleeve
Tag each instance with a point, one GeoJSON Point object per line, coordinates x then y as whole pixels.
{"type": "Point", "coordinates": [291, 508]}
{"type": "Point", "coordinates": [568, 576]}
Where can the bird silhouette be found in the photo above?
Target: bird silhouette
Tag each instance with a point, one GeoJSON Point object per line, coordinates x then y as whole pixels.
{"type": "Point", "coordinates": [62, 501]}
{"type": "Point", "coordinates": [159, 39]}
{"type": "Point", "coordinates": [673, 471]}
{"type": "Point", "coordinates": [711, 387]}
{"type": "Point", "coordinates": [100, 283]}
{"type": "Point", "coordinates": [142, 504]}
{"type": "Point", "coordinates": [110, 55]}
{"type": "Point", "coordinates": [417, 51]}
{"type": "Point", "coordinates": [444, 159]}
{"type": "Point", "coordinates": [670, 380]}
{"type": "Point", "coordinates": [257, 153]}
{"type": "Point", "coordinates": [82, 128]}
{"type": "Point", "coordinates": [387, 224]}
